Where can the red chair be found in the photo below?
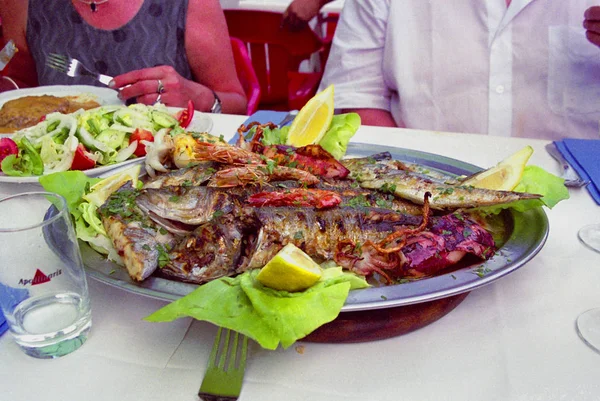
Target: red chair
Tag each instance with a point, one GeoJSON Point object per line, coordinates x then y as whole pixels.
{"type": "Point", "coordinates": [276, 54]}
{"type": "Point", "coordinates": [246, 74]}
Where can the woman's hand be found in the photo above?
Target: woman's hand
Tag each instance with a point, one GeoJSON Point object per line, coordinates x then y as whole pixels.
{"type": "Point", "coordinates": [159, 84]}
{"type": "Point", "coordinates": [592, 24]}
{"type": "Point", "coordinates": [299, 12]}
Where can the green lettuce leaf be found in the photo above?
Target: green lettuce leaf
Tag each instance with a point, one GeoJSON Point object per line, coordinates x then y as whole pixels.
{"type": "Point", "coordinates": [341, 130]}
{"type": "Point", "coordinates": [268, 316]}
{"type": "Point", "coordinates": [275, 136]}
{"type": "Point", "coordinates": [71, 185]}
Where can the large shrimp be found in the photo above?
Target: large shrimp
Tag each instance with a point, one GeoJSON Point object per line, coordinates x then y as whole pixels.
{"type": "Point", "coordinates": [257, 174]}
{"type": "Point", "coordinates": [188, 151]}
{"type": "Point", "coordinates": [296, 197]}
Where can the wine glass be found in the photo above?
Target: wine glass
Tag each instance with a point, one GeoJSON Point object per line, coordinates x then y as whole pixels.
{"type": "Point", "coordinates": [590, 236]}
{"type": "Point", "coordinates": [588, 323]}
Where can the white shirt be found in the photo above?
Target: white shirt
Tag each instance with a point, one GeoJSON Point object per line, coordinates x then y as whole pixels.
{"type": "Point", "coordinates": [475, 66]}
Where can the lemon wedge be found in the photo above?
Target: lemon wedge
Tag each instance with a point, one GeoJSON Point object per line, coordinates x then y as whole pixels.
{"type": "Point", "coordinates": [313, 120]}
{"type": "Point", "coordinates": [290, 270]}
{"type": "Point", "coordinates": [100, 191]}
{"type": "Point", "coordinates": [505, 175]}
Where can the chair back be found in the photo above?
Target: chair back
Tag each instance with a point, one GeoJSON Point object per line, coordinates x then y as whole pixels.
{"type": "Point", "coordinates": [276, 54]}
{"type": "Point", "coordinates": [246, 74]}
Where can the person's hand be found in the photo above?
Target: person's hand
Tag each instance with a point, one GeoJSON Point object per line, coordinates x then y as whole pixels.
{"type": "Point", "coordinates": [299, 12]}
{"type": "Point", "coordinates": [150, 85]}
{"type": "Point", "coordinates": [591, 23]}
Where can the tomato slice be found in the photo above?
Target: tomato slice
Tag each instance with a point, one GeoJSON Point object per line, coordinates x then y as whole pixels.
{"type": "Point", "coordinates": [185, 116]}
{"type": "Point", "coordinates": [8, 147]}
{"type": "Point", "coordinates": [140, 135]}
{"type": "Point", "coordinates": [81, 161]}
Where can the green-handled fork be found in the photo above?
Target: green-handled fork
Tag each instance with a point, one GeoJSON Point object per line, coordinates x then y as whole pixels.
{"type": "Point", "coordinates": [225, 370]}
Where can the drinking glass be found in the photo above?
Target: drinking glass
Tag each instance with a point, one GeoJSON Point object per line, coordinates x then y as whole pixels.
{"type": "Point", "coordinates": [588, 328]}
{"type": "Point", "coordinates": [43, 289]}
{"type": "Point", "coordinates": [590, 236]}
{"type": "Point", "coordinates": [588, 323]}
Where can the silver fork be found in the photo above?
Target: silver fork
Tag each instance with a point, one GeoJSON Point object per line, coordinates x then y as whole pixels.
{"type": "Point", "coordinates": [572, 179]}
{"type": "Point", "coordinates": [226, 365]}
{"type": "Point", "coordinates": [74, 68]}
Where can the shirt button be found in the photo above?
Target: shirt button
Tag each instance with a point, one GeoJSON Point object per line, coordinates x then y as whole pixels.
{"type": "Point", "coordinates": [500, 89]}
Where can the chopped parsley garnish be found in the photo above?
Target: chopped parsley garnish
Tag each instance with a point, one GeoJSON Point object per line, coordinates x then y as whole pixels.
{"type": "Point", "coordinates": [163, 256]}
{"type": "Point", "coordinates": [122, 203]}
{"type": "Point", "coordinates": [298, 235]}
{"type": "Point", "coordinates": [271, 166]}
{"type": "Point", "coordinates": [358, 201]}
{"type": "Point", "coordinates": [384, 204]}
{"type": "Point", "coordinates": [481, 271]}
{"type": "Point", "coordinates": [389, 188]}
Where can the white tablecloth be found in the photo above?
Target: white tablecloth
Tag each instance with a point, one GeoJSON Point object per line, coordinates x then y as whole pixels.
{"type": "Point", "coordinates": [512, 340]}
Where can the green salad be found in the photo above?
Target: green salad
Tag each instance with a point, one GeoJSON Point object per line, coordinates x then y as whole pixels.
{"type": "Point", "coordinates": [85, 139]}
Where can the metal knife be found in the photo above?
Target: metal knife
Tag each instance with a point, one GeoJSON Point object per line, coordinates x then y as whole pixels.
{"type": "Point", "coordinates": [7, 53]}
{"type": "Point", "coordinates": [572, 179]}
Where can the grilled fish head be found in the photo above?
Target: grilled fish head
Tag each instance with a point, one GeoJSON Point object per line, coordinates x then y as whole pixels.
{"type": "Point", "coordinates": [189, 205]}
{"type": "Point", "coordinates": [210, 252]}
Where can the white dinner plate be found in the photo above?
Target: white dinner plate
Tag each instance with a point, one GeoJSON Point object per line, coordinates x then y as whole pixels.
{"type": "Point", "coordinates": [105, 96]}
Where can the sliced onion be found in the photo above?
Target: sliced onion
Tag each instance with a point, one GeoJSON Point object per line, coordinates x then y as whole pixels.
{"type": "Point", "coordinates": [126, 153]}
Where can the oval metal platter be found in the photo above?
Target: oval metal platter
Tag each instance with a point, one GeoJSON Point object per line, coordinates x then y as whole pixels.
{"type": "Point", "coordinates": [524, 236]}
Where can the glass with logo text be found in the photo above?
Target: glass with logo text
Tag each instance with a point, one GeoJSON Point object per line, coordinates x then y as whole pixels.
{"type": "Point", "coordinates": [43, 289]}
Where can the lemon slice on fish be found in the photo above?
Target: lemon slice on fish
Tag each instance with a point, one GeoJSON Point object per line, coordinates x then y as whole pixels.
{"type": "Point", "coordinates": [505, 175]}
{"type": "Point", "coordinates": [100, 191]}
{"type": "Point", "coordinates": [313, 120]}
{"type": "Point", "coordinates": [290, 270]}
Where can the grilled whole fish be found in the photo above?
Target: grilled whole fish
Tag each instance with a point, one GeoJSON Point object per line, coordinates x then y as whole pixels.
{"type": "Point", "coordinates": [414, 187]}
{"type": "Point", "coordinates": [389, 177]}
{"type": "Point", "coordinates": [317, 232]}
{"type": "Point", "coordinates": [233, 244]}
{"type": "Point", "coordinates": [139, 241]}
{"type": "Point", "coordinates": [193, 206]}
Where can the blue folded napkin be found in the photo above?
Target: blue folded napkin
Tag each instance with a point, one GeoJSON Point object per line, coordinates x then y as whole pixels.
{"type": "Point", "coordinates": [3, 324]}
{"type": "Point", "coordinates": [584, 156]}
{"type": "Point", "coordinates": [263, 117]}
